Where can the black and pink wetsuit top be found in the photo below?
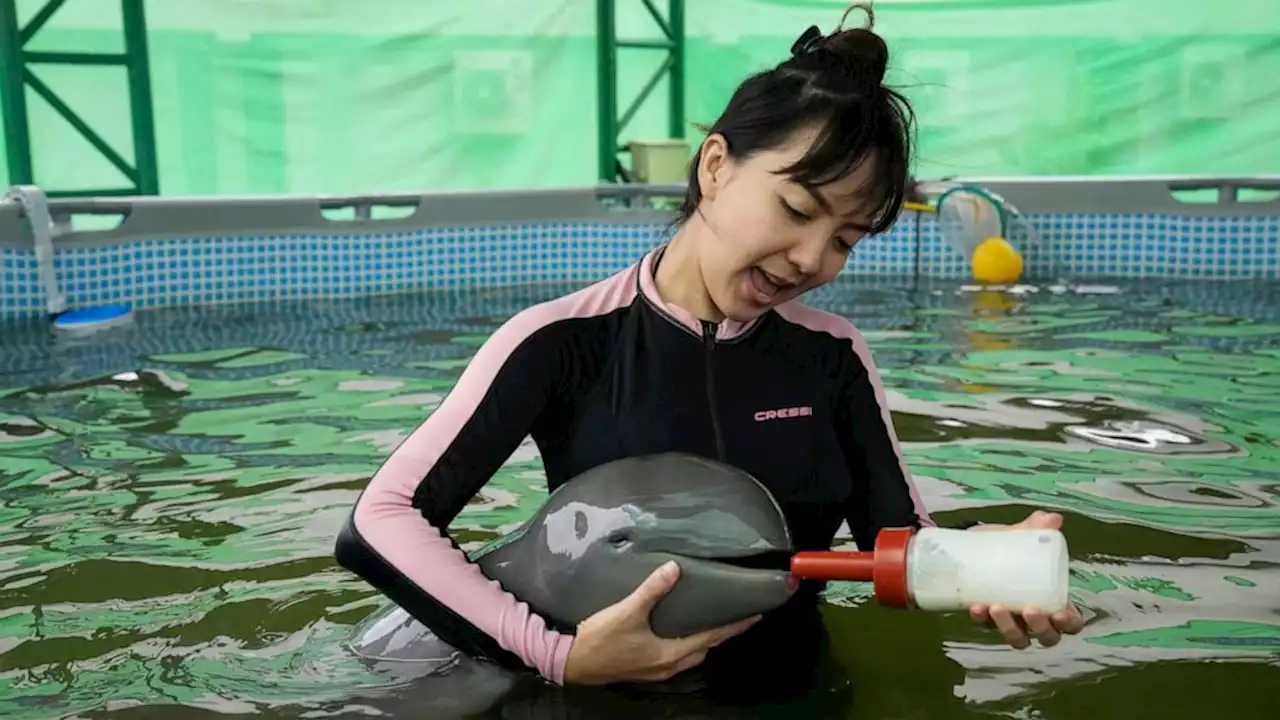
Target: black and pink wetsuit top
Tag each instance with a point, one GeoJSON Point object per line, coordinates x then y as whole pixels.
{"type": "Point", "coordinates": [608, 372]}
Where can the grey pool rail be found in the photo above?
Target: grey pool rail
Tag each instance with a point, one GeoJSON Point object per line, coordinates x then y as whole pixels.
{"type": "Point", "coordinates": [161, 251]}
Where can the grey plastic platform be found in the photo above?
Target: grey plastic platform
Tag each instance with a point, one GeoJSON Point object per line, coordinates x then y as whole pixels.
{"type": "Point", "coordinates": [142, 218]}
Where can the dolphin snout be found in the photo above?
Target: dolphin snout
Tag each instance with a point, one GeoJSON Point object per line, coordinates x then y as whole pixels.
{"type": "Point", "coordinates": [710, 594]}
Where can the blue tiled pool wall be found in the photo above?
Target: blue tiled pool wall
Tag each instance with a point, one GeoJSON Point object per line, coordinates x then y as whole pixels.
{"type": "Point", "coordinates": [426, 333]}
{"type": "Point", "coordinates": [208, 270]}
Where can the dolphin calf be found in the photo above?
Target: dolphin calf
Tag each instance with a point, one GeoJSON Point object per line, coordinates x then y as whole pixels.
{"type": "Point", "coordinates": [602, 533]}
{"type": "Point", "coordinates": [595, 539]}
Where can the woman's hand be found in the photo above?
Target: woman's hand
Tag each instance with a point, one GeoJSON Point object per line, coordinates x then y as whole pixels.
{"type": "Point", "coordinates": [1019, 626]}
{"type": "Point", "coordinates": [616, 644]}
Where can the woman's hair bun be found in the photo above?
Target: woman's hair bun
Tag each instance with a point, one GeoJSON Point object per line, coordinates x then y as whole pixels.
{"type": "Point", "coordinates": [853, 59]}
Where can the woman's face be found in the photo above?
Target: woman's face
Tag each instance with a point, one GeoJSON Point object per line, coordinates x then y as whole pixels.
{"type": "Point", "coordinates": [771, 239]}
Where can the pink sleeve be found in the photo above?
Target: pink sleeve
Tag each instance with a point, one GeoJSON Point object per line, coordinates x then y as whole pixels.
{"type": "Point", "coordinates": [450, 456]}
{"type": "Point", "coordinates": [388, 520]}
{"type": "Point", "coordinates": [863, 352]}
{"type": "Point", "coordinates": [840, 327]}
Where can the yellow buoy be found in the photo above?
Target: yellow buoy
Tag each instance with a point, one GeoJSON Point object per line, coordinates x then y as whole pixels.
{"type": "Point", "coordinates": [995, 262]}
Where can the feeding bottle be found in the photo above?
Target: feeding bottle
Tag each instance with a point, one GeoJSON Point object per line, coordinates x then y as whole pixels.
{"type": "Point", "coordinates": [943, 569]}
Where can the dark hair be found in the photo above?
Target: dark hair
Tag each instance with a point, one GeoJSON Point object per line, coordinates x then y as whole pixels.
{"type": "Point", "coordinates": [834, 83]}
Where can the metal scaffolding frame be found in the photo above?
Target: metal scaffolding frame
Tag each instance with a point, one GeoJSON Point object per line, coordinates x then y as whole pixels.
{"type": "Point", "coordinates": [673, 66]}
{"type": "Point", "coordinates": [17, 74]}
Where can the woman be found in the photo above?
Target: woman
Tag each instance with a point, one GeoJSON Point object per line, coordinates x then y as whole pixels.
{"type": "Point", "coordinates": [699, 347]}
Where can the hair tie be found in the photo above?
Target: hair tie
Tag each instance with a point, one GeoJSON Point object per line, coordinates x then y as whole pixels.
{"type": "Point", "coordinates": [808, 42]}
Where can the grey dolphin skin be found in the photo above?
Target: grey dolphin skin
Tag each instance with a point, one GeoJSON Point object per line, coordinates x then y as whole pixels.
{"type": "Point", "coordinates": [602, 533]}
{"type": "Point", "coordinates": [590, 544]}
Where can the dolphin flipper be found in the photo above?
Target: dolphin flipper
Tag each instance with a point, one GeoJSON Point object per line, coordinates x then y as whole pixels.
{"type": "Point", "coordinates": [440, 678]}
{"type": "Point", "coordinates": [392, 635]}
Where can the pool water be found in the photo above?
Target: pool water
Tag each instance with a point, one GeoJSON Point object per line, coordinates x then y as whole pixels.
{"type": "Point", "coordinates": [170, 491]}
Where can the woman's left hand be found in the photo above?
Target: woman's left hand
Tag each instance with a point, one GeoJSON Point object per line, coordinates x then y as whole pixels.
{"type": "Point", "coordinates": [1019, 626]}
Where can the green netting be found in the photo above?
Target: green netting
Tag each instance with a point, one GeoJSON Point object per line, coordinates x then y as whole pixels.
{"type": "Point", "coordinates": [335, 96]}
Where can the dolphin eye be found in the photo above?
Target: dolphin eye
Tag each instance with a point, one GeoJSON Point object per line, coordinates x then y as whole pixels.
{"type": "Point", "coordinates": [619, 539]}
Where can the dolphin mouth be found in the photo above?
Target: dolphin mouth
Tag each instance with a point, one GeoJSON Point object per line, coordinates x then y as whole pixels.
{"type": "Point", "coordinates": [712, 592]}
{"type": "Point", "coordinates": [760, 569]}
{"type": "Point", "coordinates": [779, 560]}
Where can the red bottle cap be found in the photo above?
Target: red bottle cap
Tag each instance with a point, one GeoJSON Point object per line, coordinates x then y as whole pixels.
{"type": "Point", "coordinates": [890, 572]}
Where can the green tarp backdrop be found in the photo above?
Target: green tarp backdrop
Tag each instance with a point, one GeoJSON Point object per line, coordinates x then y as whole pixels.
{"type": "Point", "coordinates": [347, 96]}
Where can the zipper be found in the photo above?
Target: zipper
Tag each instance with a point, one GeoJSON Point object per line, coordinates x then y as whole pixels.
{"type": "Point", "coordinates": [709, 341]}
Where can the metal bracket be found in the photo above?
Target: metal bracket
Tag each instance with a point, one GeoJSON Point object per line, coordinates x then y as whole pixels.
{"type": "Point", "coordinates": [607, 46]}
{"type": "Point", "coordinates": [35, 206]}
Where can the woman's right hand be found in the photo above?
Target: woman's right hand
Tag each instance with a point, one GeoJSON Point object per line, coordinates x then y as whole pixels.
{"type": "Point", "coordinates": [616, 644]}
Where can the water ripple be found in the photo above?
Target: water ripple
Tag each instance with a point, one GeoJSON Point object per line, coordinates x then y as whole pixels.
{"type": "Point", "coordinates": [169, 495]}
